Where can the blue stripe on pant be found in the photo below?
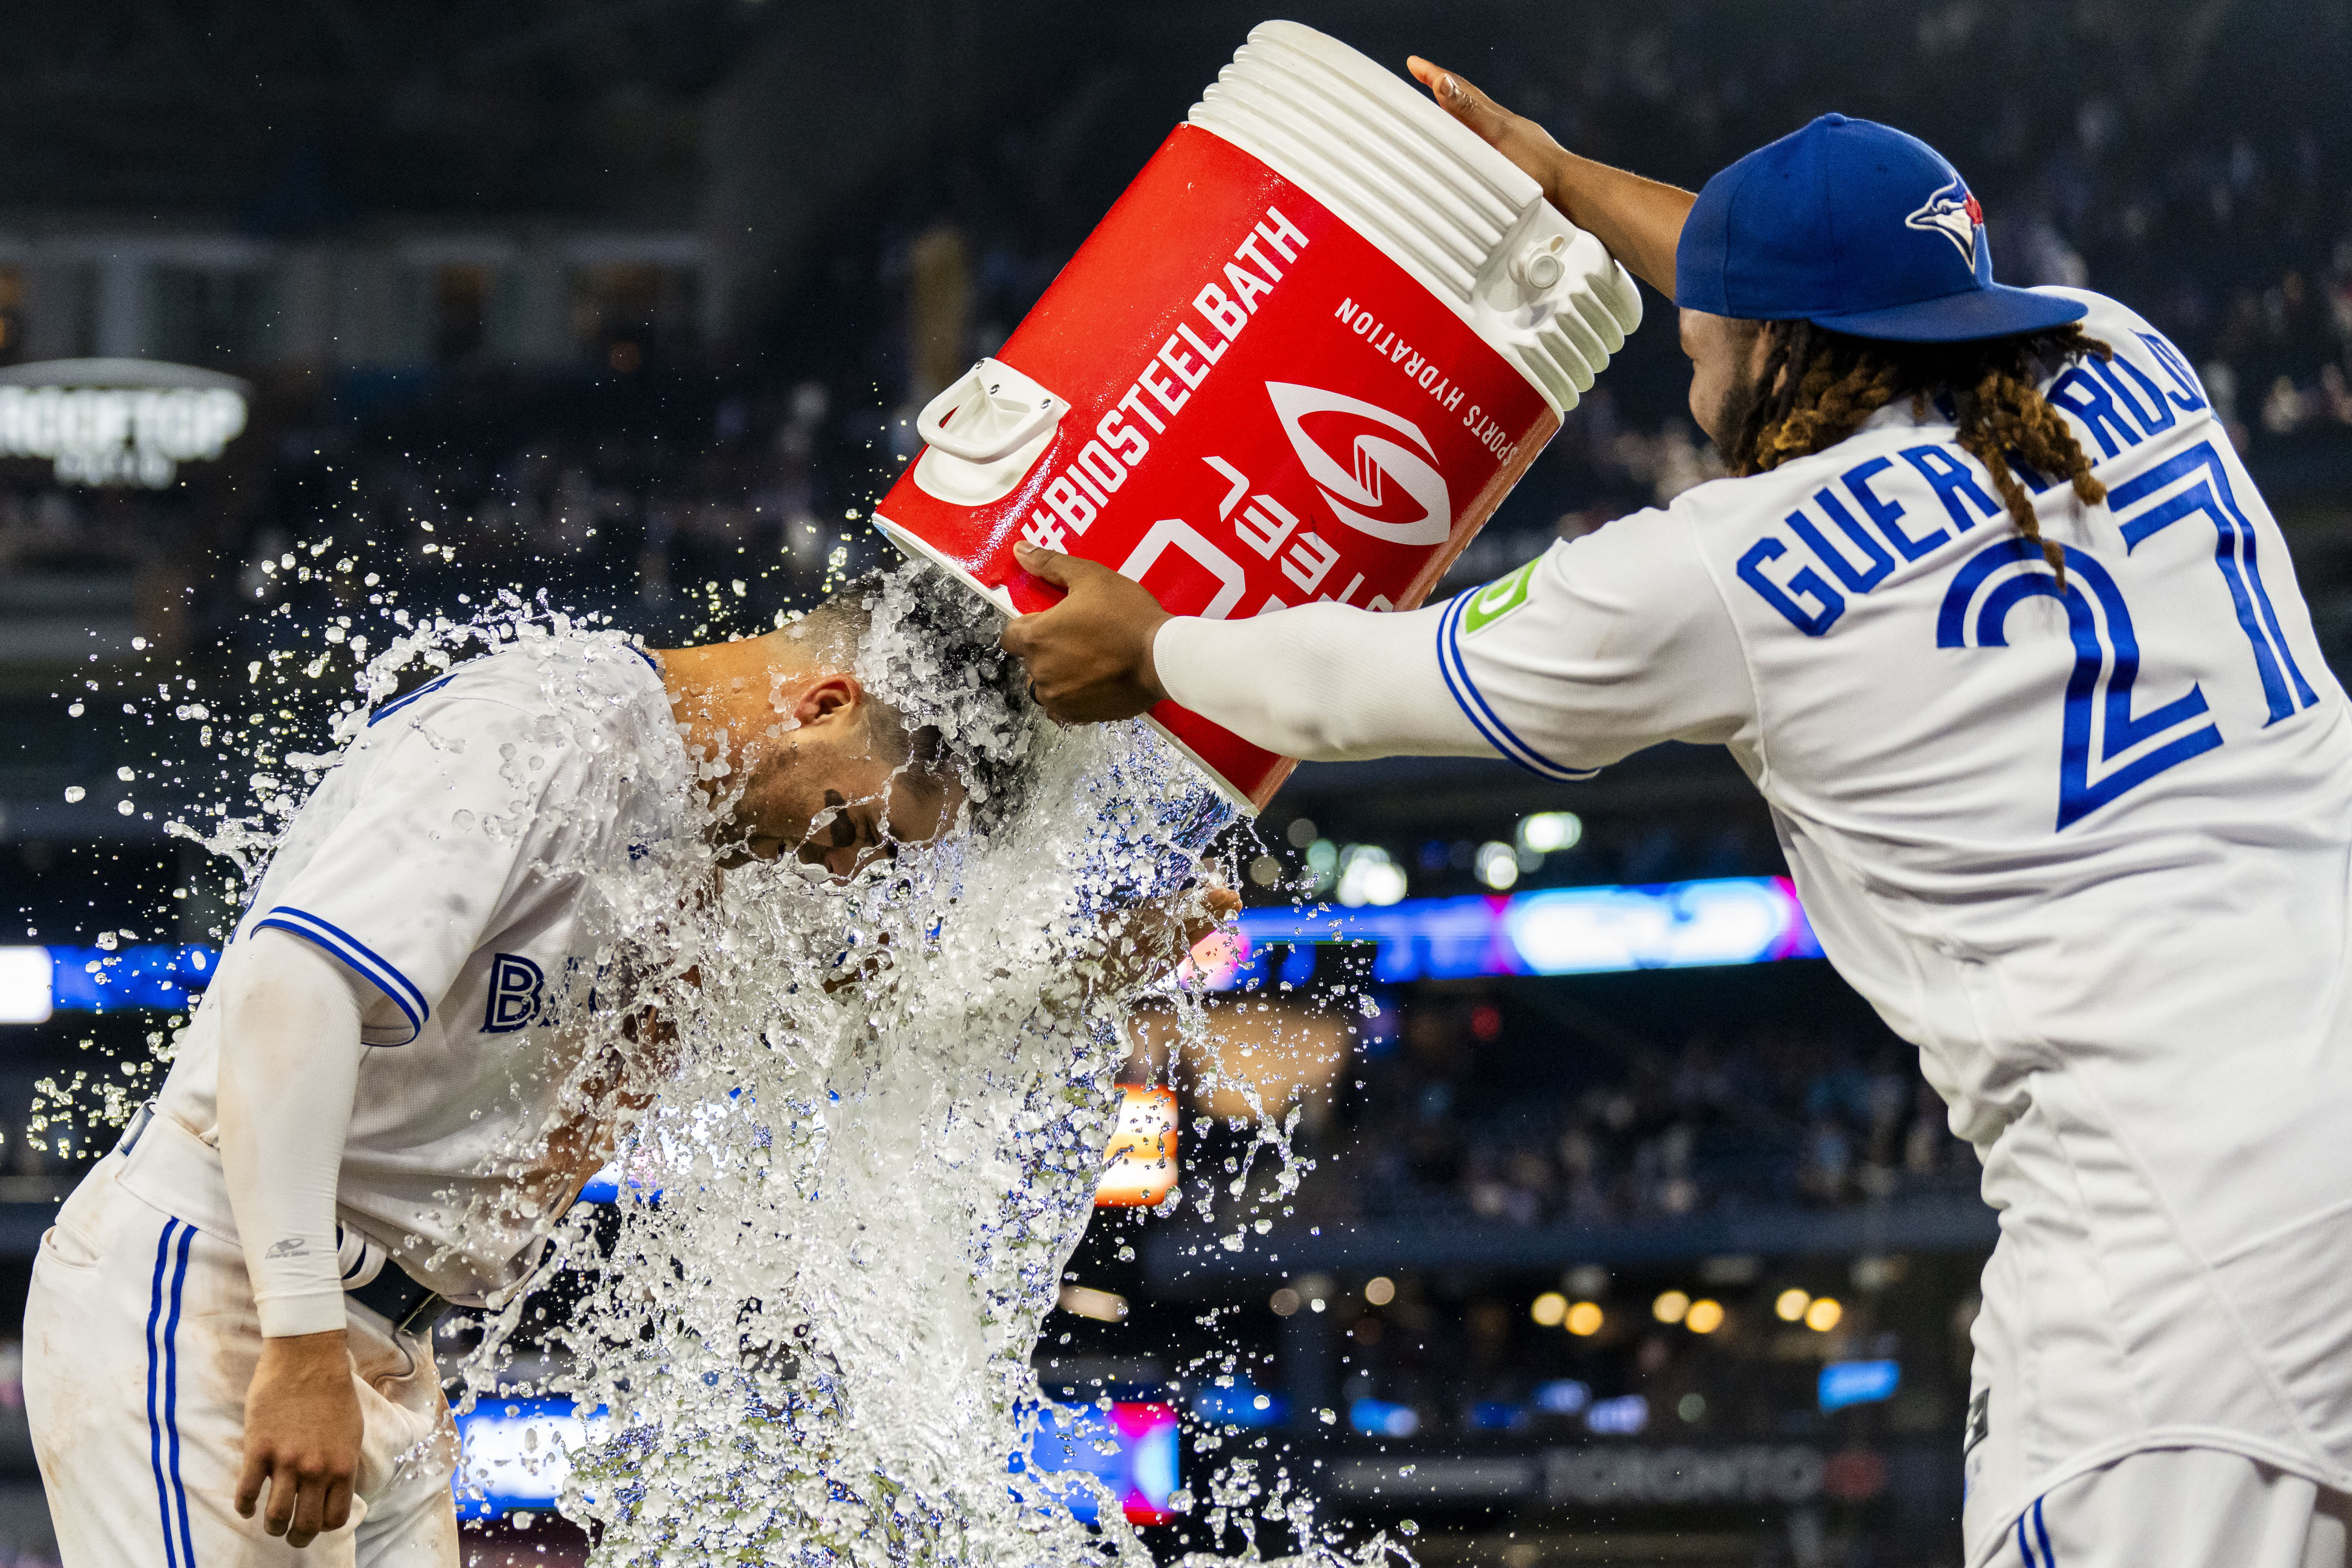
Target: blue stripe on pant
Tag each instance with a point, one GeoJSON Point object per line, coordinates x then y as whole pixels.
{"type": "Point", "coordinates": [172, 1396]}
{"type": "Point", "coordinates": [2048, 1559]}
{"type": "Point", "coordinates": [155, 1423]}
{"type": "Point", "coordinates": [164, 1369]}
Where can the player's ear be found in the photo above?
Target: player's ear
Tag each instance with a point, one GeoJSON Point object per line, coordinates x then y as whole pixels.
{"type": "Point", "coordinates": [830, 699]}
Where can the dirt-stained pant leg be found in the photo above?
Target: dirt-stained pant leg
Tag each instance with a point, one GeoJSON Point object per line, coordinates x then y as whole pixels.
{"type": "Point", "coordinates": [141, 1340]}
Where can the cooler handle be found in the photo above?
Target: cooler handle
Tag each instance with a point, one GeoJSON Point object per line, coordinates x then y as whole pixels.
{"type": "Point", "coordinates": [997, 411]}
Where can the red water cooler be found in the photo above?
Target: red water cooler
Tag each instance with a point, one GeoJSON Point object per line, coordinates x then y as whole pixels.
{"type": "Point", "coordinates": [1303, 358]}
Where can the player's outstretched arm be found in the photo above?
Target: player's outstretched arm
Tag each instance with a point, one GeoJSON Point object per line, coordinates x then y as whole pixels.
{"type": "Point", "coordinates": [288, 1071]}
{"type": "Point", "coordinates": [1640, 221]}
{"type": "Point", "coordinates": [1323, 681]}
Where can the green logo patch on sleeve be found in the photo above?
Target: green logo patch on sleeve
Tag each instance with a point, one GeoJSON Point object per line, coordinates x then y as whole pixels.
{"type": "Point", "coordinates": [1498, 598]}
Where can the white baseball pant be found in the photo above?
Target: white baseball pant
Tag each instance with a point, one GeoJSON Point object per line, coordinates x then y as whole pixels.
{"type": "Point", "coordinates": [2181, 1508]}
{"type": "Point", "coordinates": [141, 1340]}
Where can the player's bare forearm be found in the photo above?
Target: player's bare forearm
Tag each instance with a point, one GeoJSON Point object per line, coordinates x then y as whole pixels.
{"type": "Point", "coordinates": [1089, 656]}
{"type": "Point", "coordinates": [303, 1430]}
{"type": "Point", "coordinates": [1640, 221]}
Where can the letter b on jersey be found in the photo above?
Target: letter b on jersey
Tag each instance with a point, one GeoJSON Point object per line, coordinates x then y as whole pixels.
{"type": "Point", "coordinates": [515, 986]}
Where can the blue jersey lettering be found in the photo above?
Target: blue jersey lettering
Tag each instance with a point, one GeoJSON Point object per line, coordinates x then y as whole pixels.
{"type": "Point", "coordinates": [1807, 581]}
{"type": "Point", "coordinates": [515, 984]}
{"type": "Point", "coordinates": [1885, 513]}
{"type": "Point", "coordinates": [1876, 562]}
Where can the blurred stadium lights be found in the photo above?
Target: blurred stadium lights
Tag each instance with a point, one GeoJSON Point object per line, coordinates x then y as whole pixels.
{"type": "Point", "coordinates": [1846, 1382]}
{"type": "Point", "coordinates": [1381, 1418]}
{"type": "Point", "coordinates": [1563, 1396]}
{"type": "Point", "coordinates": [27, 991]}
{"type": "Point", "coordinates": [1623, 1416]}
{"type": "Point", "coordinates": [1242, 1405]}
{"type": "Point", "coordinates": [1549, 832]}
{"type": "Point", "coordinates": [118, 421]}
{"type": "Point", "coordinates": [38, 980]}
{"type": "Point", "coordinates": [1141, 1169]}
{"type": "Point", "coordinates": [1084, 1301]}
{"type": "Point", "coordinates": [1369, 876]}
{"type": "Point", "coordinates": [1497, 865]}
{"type": "Point", "coordinates": [1130, 1449]}
{"type": "Point", "coordinates": [1560, 931]}
{"type": "Point", "coordinates": [517, 1454]}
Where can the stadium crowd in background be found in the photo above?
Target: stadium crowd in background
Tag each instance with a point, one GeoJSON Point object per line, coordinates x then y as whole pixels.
{"type": "Point", "coordinates": [1458, 1123]}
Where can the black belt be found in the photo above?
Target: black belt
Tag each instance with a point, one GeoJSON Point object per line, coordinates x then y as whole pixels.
{"type": "Point", "coordinates": [409, 1308]}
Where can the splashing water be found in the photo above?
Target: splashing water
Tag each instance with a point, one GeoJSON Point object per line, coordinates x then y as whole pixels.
{"type": "Point", "coordinates": [860, 1127]}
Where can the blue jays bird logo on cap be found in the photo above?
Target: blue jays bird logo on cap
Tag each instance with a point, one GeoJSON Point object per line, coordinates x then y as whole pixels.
{"type": "Point", "coordinates": [1953, 212]}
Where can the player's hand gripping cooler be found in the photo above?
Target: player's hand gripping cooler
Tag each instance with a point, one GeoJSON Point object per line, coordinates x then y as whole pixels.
{"type": "Point", "coordinates": [1304, 357]}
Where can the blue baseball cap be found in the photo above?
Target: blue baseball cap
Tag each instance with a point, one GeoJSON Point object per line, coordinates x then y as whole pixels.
{"type": "Point", "coordinates": [1855, 226]}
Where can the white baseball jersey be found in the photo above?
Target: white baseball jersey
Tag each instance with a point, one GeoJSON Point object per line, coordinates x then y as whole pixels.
{"type": "Point", "coordinates": [2088, 846]}
{"type": "Point", "coordinates": [456, 859]}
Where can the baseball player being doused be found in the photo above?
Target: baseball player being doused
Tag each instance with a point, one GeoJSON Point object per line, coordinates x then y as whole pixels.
{"type": "Point", "coordinates": [1995, 620]}
{"type": "Point", "coordinates": [227, 1345]}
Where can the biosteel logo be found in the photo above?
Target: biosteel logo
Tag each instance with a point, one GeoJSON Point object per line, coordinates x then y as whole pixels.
{"type": "Point", "coordinates": [1387, 490]}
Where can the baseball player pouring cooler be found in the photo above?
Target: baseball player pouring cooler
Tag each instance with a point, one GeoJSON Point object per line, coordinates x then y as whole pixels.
{"type": "Point", "coordinates": [2002, 630]}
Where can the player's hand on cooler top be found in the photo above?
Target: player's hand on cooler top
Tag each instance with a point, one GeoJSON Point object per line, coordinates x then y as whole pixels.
{"type": "Point", "coordinates": [1640, 221]}
{"type": "Point", "coordinates": [1089, 656]}
{"type": "Point", "coordinates": [302, 1432]}
{"type": "Point", "coordinates": [1514, 136]}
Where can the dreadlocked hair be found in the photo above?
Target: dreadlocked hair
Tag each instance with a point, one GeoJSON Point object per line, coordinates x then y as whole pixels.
{"type": "Point", "coordinates": [1819, 385]}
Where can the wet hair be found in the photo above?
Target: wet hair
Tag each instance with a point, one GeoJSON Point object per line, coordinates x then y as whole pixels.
{"type": "Point", "coordinates": [1817, 387]}
{"type": "Point", "coordinates": [948, 703]}
{"type": "Point", "coordinates": [833, 633]}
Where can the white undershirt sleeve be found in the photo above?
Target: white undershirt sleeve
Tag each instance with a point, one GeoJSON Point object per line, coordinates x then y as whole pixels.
{"type": "Point", "coordinates": [1322, 682]}
{"type": "Point", "coordinates": [1590, 651]}
{"type": "Point", "coordinates": [290, 1067]}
